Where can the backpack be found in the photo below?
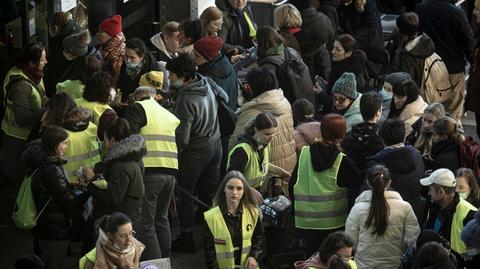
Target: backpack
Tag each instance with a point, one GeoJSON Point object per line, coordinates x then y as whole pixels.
{"type": "Point", "coordinates": [469, 154]}
{"type": "Point", "coordinates": [436, 85]}
{"type": "Point", "coordinates": [293, 76]}
{"type": "Point", "coordinates": [25, 213]}
{"type": "Point", "coordinates": [227, 119]}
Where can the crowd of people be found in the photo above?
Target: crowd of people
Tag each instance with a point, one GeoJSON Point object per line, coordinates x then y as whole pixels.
{"type": "Point", "coordinates": [359, 131]}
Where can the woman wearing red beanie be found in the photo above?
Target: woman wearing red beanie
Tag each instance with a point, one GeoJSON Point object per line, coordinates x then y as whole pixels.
{"type": "Point", "coordinates": [112, 41]}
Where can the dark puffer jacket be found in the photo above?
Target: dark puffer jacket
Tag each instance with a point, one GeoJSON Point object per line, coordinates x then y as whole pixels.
{"type": "Point", "coordinates": [50, 181]}
{"type": "Point", "coordinates": [221, 71]}
{"type": "Point", "coordinates": [329, 8]}
{"type": "Point", "coordinates": [320, 24]}
{"type": "Point", "coordinates": [406, 169]}
{"type": "Point", "coordinates": [362, 142]}
{"type": "Point", "coordinates": [355, 64]}
{"type": "Point", "coordinates": [122, 167]}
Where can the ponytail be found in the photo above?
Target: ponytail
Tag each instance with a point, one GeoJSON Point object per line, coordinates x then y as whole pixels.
{"type": "Point", "coordinates": [378, 178]}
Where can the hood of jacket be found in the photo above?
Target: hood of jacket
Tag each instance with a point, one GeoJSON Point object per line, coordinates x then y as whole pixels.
{"type": "Point", "coordinates": [199, 87]}
{"type": "Point", "coordinates": [132, 148]}
{"type": "Point", "coordinates": [157, 41]}
{"type": "Point", "coordinates": [220, 67]}
{"type": "Point", "coordinates": [354, 107]}
{"type": "Point", "coordinates": [366, 196]}
{"type": "Point", "coordinates": [78, 119]}
{"type": "Point", "coordinates": [271, 101]}
{"type": "Point", "coordinates": [365, 133]}
{"type": "Point", "coordinates": [34, 156]}
{"type": "Point", "coordinates": [398, 160]}
{"type": "Point", "coordinates": [420, 47]}
{"type": "Point", "coordinates": [323, 155]}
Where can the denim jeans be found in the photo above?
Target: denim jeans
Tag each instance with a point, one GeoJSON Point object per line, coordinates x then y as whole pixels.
{"type": "Point", "coordinates": [155, 227]}
{"type": "Point", "coordinates": [198, 170]}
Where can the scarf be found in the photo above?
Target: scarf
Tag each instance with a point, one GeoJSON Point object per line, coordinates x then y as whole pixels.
{"type": "Point", "coordinates": [114, 51]}
{"type": "Point", "coordinates": [133, 72]}
{"type": "Point", "coordinates": [32, 73]}
{"type": "Point", "coordinates": [109, 256]}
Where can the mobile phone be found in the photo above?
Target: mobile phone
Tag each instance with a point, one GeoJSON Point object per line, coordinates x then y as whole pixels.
{"type": "Point", "coordinates": [321, 82]}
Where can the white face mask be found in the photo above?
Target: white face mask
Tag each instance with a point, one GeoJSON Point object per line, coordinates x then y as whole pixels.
{"type": "Point", "coordinates": [113, 93]}
{"type": "Point", "coordinates": [464, 195]}
{"type": "Point", "coordinates": [68, 56]}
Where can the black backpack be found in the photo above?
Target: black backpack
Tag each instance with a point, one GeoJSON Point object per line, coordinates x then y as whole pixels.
{"type": "Point", "coordinates": [293, 76]}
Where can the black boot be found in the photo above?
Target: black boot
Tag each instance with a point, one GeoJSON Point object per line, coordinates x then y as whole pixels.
{"type": "Point", "coordinates": [184, 243]}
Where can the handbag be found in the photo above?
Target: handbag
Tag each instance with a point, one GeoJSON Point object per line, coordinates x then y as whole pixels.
{"type": "Point", "coordinates": [25, 214]}
{"type": "Point", "coordinates": [226, 117]}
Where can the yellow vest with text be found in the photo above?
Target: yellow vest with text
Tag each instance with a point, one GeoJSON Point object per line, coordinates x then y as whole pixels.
{"type": "Point", "coordinates": [319, 203]}
{"type": "Point", "coordinates": [9, 124]}
{"type": "Point", "coordinates": [254, 171]}
{"type": "Point", "coordinates": [463, 207]}
{"type": "Point", "coordinates": [223, 242]}
{"type": "Point", "coordinates": [90, 256]}
{"type": "Point", "coordinates": [159, 135]}
{"type": "Point", "coordinates": [83, 150]}
{"type": "Point", "coordinates": [95, 107]}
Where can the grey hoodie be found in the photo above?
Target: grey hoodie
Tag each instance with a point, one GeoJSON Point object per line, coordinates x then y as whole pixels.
{"type": "Point", "coordinates": [196, 107]}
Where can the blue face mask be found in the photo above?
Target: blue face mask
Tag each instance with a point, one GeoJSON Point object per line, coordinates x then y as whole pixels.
{"type": "Point", "coordinates": [132, 65]}
{"type": "Point", "coordinates": [386, 95]}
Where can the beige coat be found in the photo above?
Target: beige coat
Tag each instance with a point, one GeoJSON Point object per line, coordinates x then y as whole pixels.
{"type": "Point", "coordinates": [411, 113]}
{"type": "Point", "coordinates": [282, 147]}
{"type": "Point", "coordinates": [382, 252]}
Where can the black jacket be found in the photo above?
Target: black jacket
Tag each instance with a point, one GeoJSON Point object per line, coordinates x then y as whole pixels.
{"type": "Point", "coordinates": [75, 68]}
{"type": "Point", "coordinates": [234, 226]}
{"type": "Point", "coordinates": [323, 157]}
{"type": "Point", "coordinates": [362, 142]}
{"type": "Point", "coordinates": [122, 167]}
{"type": "Point", "coordinates": [221, 71]}
{"type": "Point", "coordinates": [445, 215]}
{"type": "Point", "coordinates": [450, 31]}
{"type": "Point", "coordinates": [445, 154]}
{"type": "Point", "coordinates": [364, 26]}
{"type": "Point", "coordinates": [320, 24]}
{"type": "Point", "coordinates": [56, 61]}
{"type": "Point", "coordinates": [128, 84]}
{"type": "Point", "coordinates": [355, 64]}
{"type": "Point", "coordinates": [406, 169]}
{"type": "Point", "coordinates": [329, 8]}
{"type": "Point", "coordinates": [313, 51]}
{"type": "Point", "coordinates": [50, 181]}
{"type": "Point", "coordinates": [235, 30]}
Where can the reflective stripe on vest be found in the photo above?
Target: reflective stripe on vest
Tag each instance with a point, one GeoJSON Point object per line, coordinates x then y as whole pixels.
{"type": "Point", "coordinates": [254, 172]}
{"type": "Point", "coordinates": [95, 107]}
{"type": "Point", "coordinates": [9, 124]}
{"type": "Point", "coordinates": [352, 264]}
{"type": "Point", "coordinates": [225, 251]}
{"type": "Point", "coordinates": [83, 150]}
{"type": "Point", "coordinates": [463, 207]}
{"type": "Point", "coordinates": [319, 203]}
{"type": "Point", "coordinates": [159, 135]}
{"type": "Point", "coordinates": [251, 28]}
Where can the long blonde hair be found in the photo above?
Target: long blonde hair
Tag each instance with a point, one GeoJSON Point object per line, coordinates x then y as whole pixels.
{"type": "Point", "coordinates": [424, 141]}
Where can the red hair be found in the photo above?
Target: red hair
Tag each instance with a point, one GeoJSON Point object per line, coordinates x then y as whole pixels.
{"type": "Point", "coordinates": [333, 128]}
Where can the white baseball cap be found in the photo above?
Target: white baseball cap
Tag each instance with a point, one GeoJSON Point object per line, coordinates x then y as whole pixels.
{"type": "Point", "coordinates": [442, 176]}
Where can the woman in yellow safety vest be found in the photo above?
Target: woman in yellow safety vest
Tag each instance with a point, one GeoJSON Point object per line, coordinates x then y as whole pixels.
{"type": "Point", "coordinates": [251, 154]}
{"type": "Point", "coordinates": [234, 233]}
{"type": "Point", "coordinates": [116, 245]}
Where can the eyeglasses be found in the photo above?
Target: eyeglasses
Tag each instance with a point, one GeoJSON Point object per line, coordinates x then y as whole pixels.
{"type": "Point", "coordinates": [128, 235]}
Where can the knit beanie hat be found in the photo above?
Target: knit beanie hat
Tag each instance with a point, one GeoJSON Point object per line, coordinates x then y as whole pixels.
{"type": "Point", "coordinates": [406, 25]}
{"type": "Point", "coordinates": [396, 78]}
{"type": "Point", "coordinates": [346, 85]}
{"type": "Point", "coordinates": [77, 44]}
{"type": "Point", "coordinates": [112, 26]}
{"type": "Point", "coordinates": [153, 79]}
{"type": "Point", "coordinates": [471, 232]}
{"type": "Point", "coordinates": [109, 117]}
{"type": "Point", "coordinates": [209, 46]}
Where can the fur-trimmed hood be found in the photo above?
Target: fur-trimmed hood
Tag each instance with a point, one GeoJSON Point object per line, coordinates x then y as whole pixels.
{"type": "Point", "coordinates": [34, 156]}
{"type": "Point", "coordinates": [132, 148]}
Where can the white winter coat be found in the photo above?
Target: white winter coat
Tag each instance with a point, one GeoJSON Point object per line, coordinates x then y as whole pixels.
{"type": "Point", "coordinates": [382, 252]}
